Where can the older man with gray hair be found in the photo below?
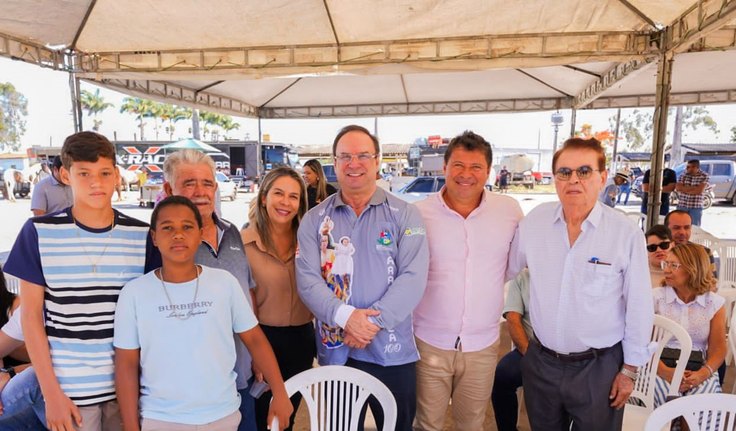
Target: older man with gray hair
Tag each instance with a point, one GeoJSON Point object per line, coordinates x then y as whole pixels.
{"type": "Point", "coordinates": [191, 173]}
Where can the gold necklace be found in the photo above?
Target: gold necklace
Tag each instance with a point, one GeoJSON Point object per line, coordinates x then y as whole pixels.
{"type": "Point", "coordinates": [104, 250]}
{"type": "Point", "coordinates": [168, 298]}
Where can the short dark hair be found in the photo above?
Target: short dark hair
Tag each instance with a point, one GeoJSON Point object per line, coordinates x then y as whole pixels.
{"type": "Point", "coordinates": [173, 201]}
{"type": "Point", "coordinates": [660, 231]}
{"type": "Point", "coordinates": [86, 147]}
{"type": "Point", "coordinates": [667, 217]}
{"type": "Point", "coordinates": [355, 128]}
{"type": "Point", "coordinates": [694, 162]}
{"type": "Point", "coordinates": [582, 144]}
{"type": "Point", "coordinates": [56, 163]}
{"type": "Point", "coordinates": [470, 141]}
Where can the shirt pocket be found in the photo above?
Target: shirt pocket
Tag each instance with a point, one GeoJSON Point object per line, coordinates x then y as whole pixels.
{"type": "Point", "coordinates": [600, 280]}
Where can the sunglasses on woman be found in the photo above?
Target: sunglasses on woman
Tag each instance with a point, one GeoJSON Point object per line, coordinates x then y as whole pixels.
{"type": "Point", "coordinates": [664, 245]}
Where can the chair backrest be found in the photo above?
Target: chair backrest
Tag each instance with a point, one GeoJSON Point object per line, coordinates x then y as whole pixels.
{"type": "Point", "coordinates": [12, 283]}
{"type": "Point", "coordinates": [664, 330]}
{"type": "Point", "coordinates": [701, 412]}
{"type": "Point", "coordinates": [335, 396]}
{"type": "Point", "coordinates": [704, 238]}
{"type": "Point", "coordinates": [727, 269]}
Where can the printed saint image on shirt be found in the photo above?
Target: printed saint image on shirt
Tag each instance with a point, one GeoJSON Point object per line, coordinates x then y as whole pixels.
{"type": "Point", "coordinates": [336, 262]}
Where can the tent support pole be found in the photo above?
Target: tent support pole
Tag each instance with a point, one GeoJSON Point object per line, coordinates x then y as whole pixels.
{"type": "Point", "coordinates": [573, 118]}
{"type": "Point", "coordinates": [258, 151]}
{"type": "Point", "coordinates": [76, 100]}
{"type": "Point", "coordinates": [664, 78]}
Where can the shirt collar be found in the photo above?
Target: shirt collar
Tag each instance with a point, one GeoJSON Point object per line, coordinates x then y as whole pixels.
{"type": "Point", "coordinates": [594, 218]}
{"type": "Point", "coordinates": [250, 236]}
{"type": "Point", "coordinates": [379, 197]}
{"type": "Point", "coordinates": [221, 223]}
{"type": "Point", "coordinates": [440, 197]}
{"type": "Point", "coordinates": [55, 181]}
{"type": "Point", "coordinates": [670, 296]}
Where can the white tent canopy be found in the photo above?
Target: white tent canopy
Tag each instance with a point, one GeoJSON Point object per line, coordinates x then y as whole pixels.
{"type": "Point", "coordinates": [321, 58]}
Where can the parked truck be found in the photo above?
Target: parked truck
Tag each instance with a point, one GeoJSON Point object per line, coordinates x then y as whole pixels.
{"type": "Point", "coordinates": [520, 169]}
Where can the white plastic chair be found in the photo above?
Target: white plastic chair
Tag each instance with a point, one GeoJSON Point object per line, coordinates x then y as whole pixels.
{"type": "Point", "coordinates": [12, 283]}
{"type": "Point", "coordinates": [701, 412]}
{"type": "Point", "coordinates": [700, 236]}
{"type": "Point", "coordinates": [335, 396]}
{"type": "Point", "coordinates": [664, 330]}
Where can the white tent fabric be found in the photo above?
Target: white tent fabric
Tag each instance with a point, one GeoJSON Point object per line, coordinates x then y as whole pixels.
{"type": "Point", "coordinates": [317, 58]}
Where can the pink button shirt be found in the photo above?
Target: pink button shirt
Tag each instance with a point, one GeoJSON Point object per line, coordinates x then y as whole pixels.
{"type": "Point", "coordinates": [462, 305]}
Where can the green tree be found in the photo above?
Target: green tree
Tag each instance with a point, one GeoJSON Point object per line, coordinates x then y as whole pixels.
{"type": "Point", "coordinates": [155, 110]}
{"type": "Point", "coordinates": [138, 107]}
{"type": "Point", "coordinates": [228, 124]}
{"type": "Point", "coordinates": [13, 109]}
{"type": "Point", "coordinates": [637, 128]}
{"type": "Point", "coordinates": [172, 114]}
{"type": "Point", "coordinates": [94, 104]}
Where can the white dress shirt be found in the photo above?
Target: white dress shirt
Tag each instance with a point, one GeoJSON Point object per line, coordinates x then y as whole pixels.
{"type": "Point", "coordinates": [593, 293]}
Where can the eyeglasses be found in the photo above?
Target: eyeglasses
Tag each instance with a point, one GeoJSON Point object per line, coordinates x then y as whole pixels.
{"type": "Point", "coordinates": [362, 157]}
{"type": "Point", "coordinates": [583, 172]}
{"type": "Point", "coordinates": [664, 245]}
{"type": "Point", "coordinates": [671, 265]}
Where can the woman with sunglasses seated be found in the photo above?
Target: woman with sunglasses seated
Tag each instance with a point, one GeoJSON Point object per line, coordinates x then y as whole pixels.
{"type": "Point", "coordinates": [687, 299]}
{"type": "Point", "coordinates": [659, 242]}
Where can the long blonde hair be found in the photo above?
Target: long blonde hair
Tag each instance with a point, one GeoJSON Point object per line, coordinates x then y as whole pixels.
{"type": "Point", "coordinates": [696, 264]}
{"type": "Point", "coordinates": [258, 215]}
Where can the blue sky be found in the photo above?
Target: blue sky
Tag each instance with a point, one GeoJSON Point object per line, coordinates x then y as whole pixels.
{"type": "Point", "coordinates": [49, 119]}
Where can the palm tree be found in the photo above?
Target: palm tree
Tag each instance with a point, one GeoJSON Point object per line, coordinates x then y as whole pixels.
{"type": "Point", "coordinates": [94, 104]}
{"type": "Point", "coordinates": [173, 114]}
{"type": "Point", "coordinates": [227, 124]}
{"type": "Point", "coordinates": [155, 111]}
{"type": "Point", "coordinates": [138, 107]}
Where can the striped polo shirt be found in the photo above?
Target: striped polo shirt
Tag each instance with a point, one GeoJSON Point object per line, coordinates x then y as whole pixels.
{"type": "Point", "coordinates": [83, 271]}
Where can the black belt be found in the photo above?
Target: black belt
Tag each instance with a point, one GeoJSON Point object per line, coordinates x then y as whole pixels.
{"type": "Point", "coordinates": [577, 356]}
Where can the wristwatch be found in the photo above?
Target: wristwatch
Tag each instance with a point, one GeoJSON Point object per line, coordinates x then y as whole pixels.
{"type": "Point", "coordinates": [633, 375]}
{"type": "Point", "coordinates": [9, 370]}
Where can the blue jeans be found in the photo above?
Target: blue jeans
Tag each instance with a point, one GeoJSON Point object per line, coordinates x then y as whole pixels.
{"type": "Point", "coordinates": [624, 188]}
{"type": "Point", "coordinates": [503, 396]}
{"type": "Point", "coordinates": [696, 214]}
{"type": "Point", "coordinates": [23, 405]}
{"type": "Point", "coordinates": [247, 409]}
{"type": "Point", "coordinates": [401, 380]}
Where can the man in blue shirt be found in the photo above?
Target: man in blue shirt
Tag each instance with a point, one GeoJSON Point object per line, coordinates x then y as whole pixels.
{"type": "Point", "coordinates": [362, 269]}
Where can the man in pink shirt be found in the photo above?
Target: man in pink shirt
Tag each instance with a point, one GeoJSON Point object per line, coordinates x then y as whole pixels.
{"type": "Point", "coordinates": [456, 324]}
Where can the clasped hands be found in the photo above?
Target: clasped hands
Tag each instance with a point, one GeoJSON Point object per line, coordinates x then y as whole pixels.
{"type": "Point", "coordinates": [359, 330]}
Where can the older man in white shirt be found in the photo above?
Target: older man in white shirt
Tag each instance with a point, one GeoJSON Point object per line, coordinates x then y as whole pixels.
{"type": "Point", "coordinates": [590, 299]}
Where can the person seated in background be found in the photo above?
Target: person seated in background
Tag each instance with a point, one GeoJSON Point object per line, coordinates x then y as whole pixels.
{"type": "Point", "coordinates": [680, 225]}
{"type": "Point", "coordinates": [625, 187]}
{"type": "Point", "coordinates": [270, 243]}
{"type": "Point", "coordinates": [21, 401]}
{"type": "Point", "coordinates": [659, 242]}
{"type": "Point", "coordinates": [610, 191]}
{"type": "Point", "coordinates": [173, 336]}
{"type": "Point", "coordinates": [317, 186]}
{"type": "Point", "coordinates": [508, 371]}
{"type": "Point", "coordinates": [688, 299]}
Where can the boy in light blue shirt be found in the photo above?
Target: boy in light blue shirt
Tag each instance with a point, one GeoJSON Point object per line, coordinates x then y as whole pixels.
{"type": "Point", "coordinates": [174, 350]}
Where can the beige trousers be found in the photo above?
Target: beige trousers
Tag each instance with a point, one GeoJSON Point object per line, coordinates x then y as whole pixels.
{"type": "Point", "coordinates": [464, 377]}
{"type": "Point", "coordinates": [101, 417]}
{"type": "Point", "coordinates": [228, 423]}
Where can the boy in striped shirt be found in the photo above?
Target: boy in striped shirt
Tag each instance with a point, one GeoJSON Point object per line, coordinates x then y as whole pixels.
{"type": "Point", "coordinates": [72, 265]}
